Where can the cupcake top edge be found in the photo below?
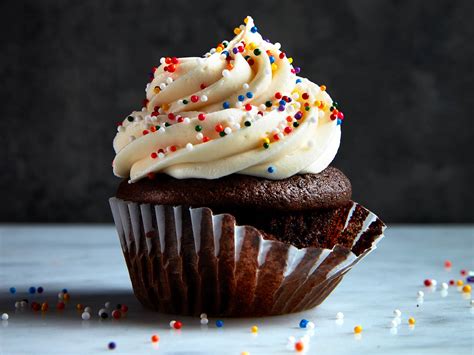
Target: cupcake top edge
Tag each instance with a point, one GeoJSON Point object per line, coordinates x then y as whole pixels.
{"type": "Point", "coordinates": [241, 108]}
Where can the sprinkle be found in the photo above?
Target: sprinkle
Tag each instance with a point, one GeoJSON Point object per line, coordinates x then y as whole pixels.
{"type": "Point", "coordinates": [397, 313]}
{"type": "Point", "coordinates": [189, 147]}
{"type": "Point", "coordinates": [339, 315]}
{"type": "Point", "coordinates": [257, 51]}
{"type": "Point", "coordinates": [358, 329]}
{"type": "Point", "coordinates": [12, 290]}
{"type": "Point", "coordinates": [420, 294]}
{"type": "Point", "coordinates": [411, 321]}
{"type": "Point", "coordinates": [463, 272]}
{"type": "Point", "coordinates": [466, 289]}
{"type": "Point", "coordinates": [226, 104]}
{"type": "Point", "coordinates": [219, 128]}
{"type": "Point", "coordinates": [172, 323]}
{"type": "Point", "coordinates": [444, 286]}
{"type": "Point", "coordinates": [206, 139]}
{"type": "Point", "coordinates": [227, 130]}
{"type": "Point", "coordinates": [271, 169]}
{"type": "Point", "coordinates": [32, 290]}
{"type": "Point", "coordinates": [303, 323]}
{"type": "Point", "coordinates": [254, 329]}
{"type": "Point", "coordinates": [249, 94]}
{"type": "Point", "coordinates": [204, 321]}
{"type": "Point", "coordinates": [299, 346]}
{"type": "Point", "coordinates": [44, 306]}
{"type": "Point", "coordinates": [116, 314]}
{"type": "Point", "coordinates": [201, 117]}
{"type": "Point", "coordinates": [310, 325]}
{"type": "Point", "coordinates": [253, 29]}
{"type": "Point", "coordinates": [86, 316]}
{"type": "Point", "coordinates": [237, 31]}
{"type": "Point", "coordinates": [67, 296]}
{"type": "Point", "coordinates": [219, 323]}
{"type": "Point", "coordinates": [247, 123]}
{"type": "Point", "coordinates": [225, 73]}
{"type": "Point", "coordinates": [274, 67]}
{"type": "Point", "coordinates": [112, 345]}
{"type": "Point", "coordinates": [248, 107]}
{"type": "Point", "coordinates": [204, 98]}
{"type": "Point", "coordinates": [448, 264]}
{"type": "Point", "coordinates": [241, 97]}
{"type": "Point", "coordinates": [322, 88]}
{"type": "Point", "coordinates": [61, 305]}
{"type": "Point", "coordinates": [459, 283]}
{"type": "Point", "coordinates": [427, 282]}
{"type": "Point", "coordinates": [194, 98]}
{"type": "Point", "coordinates": [198, 128]}
{"type": "Point", "coordinates": [5, 316]}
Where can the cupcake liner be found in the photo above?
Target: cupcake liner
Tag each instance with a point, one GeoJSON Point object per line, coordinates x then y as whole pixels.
{"type": "Point", "coordinates": [189, 261]}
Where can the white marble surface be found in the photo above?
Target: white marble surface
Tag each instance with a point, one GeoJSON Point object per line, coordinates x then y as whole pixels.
{"type": "Point", "coordinates": [87, 260]}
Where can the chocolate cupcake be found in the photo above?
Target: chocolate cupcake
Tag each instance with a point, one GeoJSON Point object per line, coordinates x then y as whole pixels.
{"type": "Point", "coordinates": [229, 206]}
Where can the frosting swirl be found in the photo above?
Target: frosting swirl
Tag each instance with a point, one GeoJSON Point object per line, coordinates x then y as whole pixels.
{"type": "Point", "coordinates": [239, 109]}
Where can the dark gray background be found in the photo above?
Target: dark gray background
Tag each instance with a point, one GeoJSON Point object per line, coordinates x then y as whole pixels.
{"type": "Point", "coordinates": [401, 70]}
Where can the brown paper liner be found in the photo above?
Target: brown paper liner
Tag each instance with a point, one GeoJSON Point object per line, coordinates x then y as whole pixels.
{"type": "Point", "coordinates": [189, 261]}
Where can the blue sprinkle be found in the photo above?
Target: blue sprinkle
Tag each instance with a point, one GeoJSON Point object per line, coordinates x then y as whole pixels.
{"type": "Point", "coordinates": [219, 323]}
{"type": "Point", "coordinates": [281, 108]}
{"type": "Point", "coordinates": [241, 97]}
{"type": "Point", "coordinates": [339, 122]}
{"type": "Point", "coordinates": [303, 323]}
{"type": "Point", "coordinates": [470, 279]}
{"type": "Point", "coordinates": [297, 70]}
{"type": "Point", "coordinates": [112, 345]}
{"type": "Point", "coordinates": [254, 29]}
{"type": "Point", "coordinates": [226, 53]}
{"type": "Point", "coordinates": [282, 102]}
{"type": "Point", "coordinates": [40, 289]}
{"type": "Point", "coordinates": [249, 95]}
{"type": "Point", "coordinates": [298, 81]}
{"type": "Point", "coordinates": [64, 290]}
{"type": "Point", "coordinates": [298, 115]}
{"type": "Point", "coordinates": [272, 59]}
{"type": "Point", "coordinates": [226, 104]}
{"type": "Point", "coordinates": [12, 290]}
{"type": "Point", "coordinates": [32, 290]}
{"type": "Point", "coordinates": [271, 169]}
{"type": "Point", "coordinates": [235, 50]}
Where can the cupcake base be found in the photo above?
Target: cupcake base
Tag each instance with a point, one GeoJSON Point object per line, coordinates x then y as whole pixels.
{"type": "Point", "coordinates": [188, 261]}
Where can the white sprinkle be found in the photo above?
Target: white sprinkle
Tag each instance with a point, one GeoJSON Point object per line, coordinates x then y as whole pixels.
{"type": "Point", "coordinates": [186, 120]}
{"type": "Point", "coordinates": [228, 130]}
{"type": "Point", "coordinates": [189, 147]}
{"type": "Point", "coordinates": [472, 303]}
{"type": "Point", "coordinates": [162, 60]}
{"type": "Point", "coordinates": [17, 304]}
{"type": "Point", "coordinates": [212, 51]}
{"type": "Point", "coordinates": [238, 104]}
{"type": "Point", "coordinates": [203, 315]}
{"type": "Point", "coordinates": [203, 98]}
{"type": "Point", "coordinates": [434, 283]}
{"type": "Point", "coordinates": [88, 309]}
{"type": "Point", "coordinates": [225, 73]}
{"type": "Point", "coordinates": [262, 107]}
{"type": "Point", "coordinates": [161, 155]}
{"type": "Point", "coordinates": [397, 320]}
{"type": "Point", "coordinates": [242, 27]}
{"type": "Point", "coordinates": [444, 286]}
{"type": "Point", "coordinates": [148, 119]}
{"type": "Point", "coordinates": [162, 130]}
{"type": "Point", "coordinates": [281, 135]}
{"type": "Point", "coordinates": [169, 80]}
{"type": "Point", "coordinates": [310, 325]}
{"type": "Point", "coordinates": [199, 136]}
{"type": "Point", "coordinates": [223, 56]}
{"type": "Point", "coordinates": [162, 86]}
{"type": "Point", "coordinates": [102, 310]}
{"type": "Point", "coordinates": [204, 321]}
{"type": "Point", "coordinates": [444, 293]}
{"type": "Point", "coordinates": [397, 313]}
{"type": "Point", "coordinates": [420, 294]}
{"type": "Point", "coordinates": [108, 304]}
{"type": "Point", "coordinates": [245, 86]}
{"type": "Point", "coordinates": [339, 315]}
{"type": "Point", "coordinates": [277, 45]}
{"type": "Point", "coordinates": [86, 316]}
{"type": "Point", "coordinates": [393, 323]}
{"type": "Point", "coordinates": [5, 316]}
{"type": "Point", "coordinates": [172, 323]}
{"type": "Point", "coordinates": [290, 109]}
{"type": "Point", "coordinates": [23, 304]}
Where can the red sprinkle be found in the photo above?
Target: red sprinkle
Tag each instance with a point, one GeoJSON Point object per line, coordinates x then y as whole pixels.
{"type": "Point", "coordinates": [340, 115]}
{"type": "Point", "coordinates": [151, 176]}
{"type": "Point", "coordinates": [154, 155]}
{"type": "Point", "coordinates": [275, 137]}
{"type": "Point", "coordinates": [116, 314]}
{"type": "Point", "coordinates": [219, 128]}
{"type": "Point", "coordinates": [145, 132]}
{"type": "Point", "coordinates": [124, 308]}
{"type": "Point", "coordinates": [448, 264]}
{"type": "Point", "coordinates": [278, 96]}
{"type": "Point", "coordinates": [451, 282]}
{"type": "Point", "coordinates": [173, 148]}
{"type": "Point", "coordinates": [463, 272]}
{"type": "Point", "coordinates": [427, 282]}
{"type": "Point", "coordinates": [178, 325]}
{"type": "Point", "coordinates": [153, 128]}
{"type": "Point", "coordinates": [248, 107]}
{"type": "Point", "coordinates": [288, 130]}
{"type": "Point", "coordinates": [289, 119]}
{"type": "Point", "coordinates": [153, 70]}
{"type": "Point", "coordinates": [174, 60]}
{"type": "Point", "coordinates": [180, 119]}
{"type": "Point", "coordinates": [305, 96]}
{"type": "Point", "coordinates": [333, 117]}
{"type": "Point", "coordinates": [171, 116]}
{"type": "Point", "coordinates": [206, 139]}
{"type": "Point", "coordinates": [168, 60]}
{"type": "Point", "coordinates": [155, 338]}
{"type": "Point", "coordinates": [203, 86]}
{"type": "Point", "coordinates": [119, 124]}
{"type": "Point", "coordinates": [194, 98]}
{"type": "Point", "coordinates": [145, 102]}
{"type": "Point", "coordinates": [282, 55]}
{"type": "Point", "coordinates": [201, 117]}
{"type": "Point", "coordinates": [171, 68]}
{"type": "Point", "coordinates": [60, 306]}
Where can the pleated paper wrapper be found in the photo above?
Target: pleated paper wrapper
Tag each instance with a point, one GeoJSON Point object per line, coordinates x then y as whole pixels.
{"type": "Point", "coordinates": [188, 261]}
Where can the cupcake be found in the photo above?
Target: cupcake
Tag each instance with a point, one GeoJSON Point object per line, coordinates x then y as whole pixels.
{"type": "Point", "coordinates": [228, 204]}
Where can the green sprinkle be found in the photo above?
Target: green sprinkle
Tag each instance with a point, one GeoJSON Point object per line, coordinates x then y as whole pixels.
{"type": "Point", "coordinates": [185, 102]}
{"type": "Point", "coordinates": [266, 145]}
{"type": "Point", "coordinates": [222, 134]}
{"type": "Point", "coordinates": [268, 104]}
{"type": "Point", "coordinates": [198, 128]}
{"type": "Point", "coordinates": [335, 104]}
{"type": "Point", "coordinates": [307, 108]}
{"type": "Point", "coordinates": [130, 118]}
{"type": "Point", "coordinates": [295, 124]}
{"type": "Point", "coordinates": [247, 123]}
{"type": "Point", "coordinates": [257, 51]}
{"type": "Point", "coordinates": [157, 127]}
{"type": "Point", "coordinates": [167, 124]}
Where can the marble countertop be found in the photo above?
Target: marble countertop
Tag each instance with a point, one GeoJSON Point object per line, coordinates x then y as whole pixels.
{"type": "Point", "coordinates": [87, 260]}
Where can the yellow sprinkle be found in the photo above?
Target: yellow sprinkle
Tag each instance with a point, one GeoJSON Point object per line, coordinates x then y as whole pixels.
{"type": "Point", "coordinates": [165, 107]}
{"type": "Point", "coordinates": [244, 353]}
{"type": "Point", "coordinates": [218, 49]}
{"type": "Point", "coordinates": [290, 59]}
{"type": "Point", "coordinates": [274, 66]}
{"type": "Point", "coordinates": [252, 46]}
{"type": "Point", "coordinates": [322, 87]}
{"type": "Point", "coordinates": [156, 89]}
{"type": "Point", "coordinates": [246, 20]}
{"type": "Point", "coordinates": [358, 329]}
{"type": "Point", "coordinates": [459, 283]}
{"type": "Point", "coordinates": [254, 329]}
{"type": "Point", "coordinates": [466, 289]}
{"type": "Point", "coordinates": [411, 321]}
{"type": "Point", "coordinates": [237, 30]}
{"type": "Point", "coordinates": [266, 140]}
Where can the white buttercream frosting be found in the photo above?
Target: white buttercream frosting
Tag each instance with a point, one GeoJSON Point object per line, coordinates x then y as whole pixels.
{"type": "Point", "coordinates": [241, 108]}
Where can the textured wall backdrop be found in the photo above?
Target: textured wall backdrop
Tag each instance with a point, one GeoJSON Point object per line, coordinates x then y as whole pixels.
{"type": "Point", "coordinates": [401, 70]}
